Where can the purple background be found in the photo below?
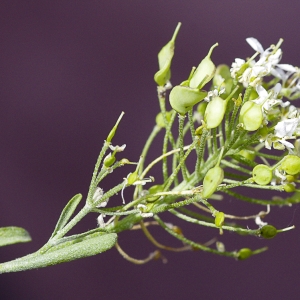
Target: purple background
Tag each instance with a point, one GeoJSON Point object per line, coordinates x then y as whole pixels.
{"type": "Point", "coordinates": [68, 68]}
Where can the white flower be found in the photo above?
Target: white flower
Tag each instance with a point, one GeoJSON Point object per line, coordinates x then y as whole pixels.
{"type": "Point", "coordinates": [214, 93]}
{"type": "Point", "coordinates": [117, 148]}
{"type": "Point", "coordinates": [286, 128]}
{"type": "Point", "coordinates": [142, 209]}
{"type": "Point", "coordinates": [100, 221]}
{"type": "Point", "coordinates": [236, 66]}
{"type": "Point", "coordinates": [253, 75]}
{"type": "Point", "coordinates": [259, 222]}
{"type": "Point", "coordinates": [280, 174]}
{"type": "Point", "coordinates": [270, 57]}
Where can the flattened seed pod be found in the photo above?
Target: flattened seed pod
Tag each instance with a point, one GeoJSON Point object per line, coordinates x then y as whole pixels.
{"type": "Point", "coordinates": [204, 72]}
{"type": "Point", "coordinates": [212, 179]}
{"type": "Point", "coordinates": [215, 112]}
{"type": "Point", "coordinates": [262, 174]}
{"type": "Point", "coordinates": [164, 60]}
{"type": "Point", "coordinates": [291, 164]}
{"type": "Point", "coordinates": [251, 116]}
{"type": "Point", "coordinates": [183, 98]}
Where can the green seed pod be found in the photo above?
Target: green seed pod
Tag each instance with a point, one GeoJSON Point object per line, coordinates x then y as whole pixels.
{"type": "Point", "coordinates": [153, 190]}
{"type": "Point", "coordinates": [204, 72]}
{"type": "Point", "coordinates": [268, 231]}
{"type": "Point", "coordinates": [109, 161]}
{"type": "Point", "coordinates": [132, 178]}
{"type": "Point", "coordinates": [291, 164]}
{"type": "Point", "coordinates": [223, 71]}
{"type": "Point", "coordinates": [262, 174]}
{"type": "Point", "coordinates": [214, 112]}
{"type": "Point", "coordinates": [212, 179]}
{"type": "Point", "coordinates": [199, 130]}
{"type": "Point", "coordinates": [244, 253]}
{"type": "Point", "coordinates": [183, 98]}
{"type": "Point", "coordinates": [289, 188]}
{"type": "Point", "coordinates": [201, 108]}
{"type": "Point", "coordinates": [290, 178]}
{"type": "Point", "coordinates": [164, 60]}
{"type": "Point", "coordinates": [247, 154]}
{"type": "Point", "coordinates": [219, 219]}
{"type": "Point", "coordinates": [160, 120]}
{"type": "Point", "coordinates": [251, 116]}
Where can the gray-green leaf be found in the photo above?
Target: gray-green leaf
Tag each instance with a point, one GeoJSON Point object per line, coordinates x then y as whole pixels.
{"type": "Point", "coordinates": [67, 213]}
{"type": "Point", "coordinates": [92, 245]}
{"type": "Point", "coordinates": [13, 235]}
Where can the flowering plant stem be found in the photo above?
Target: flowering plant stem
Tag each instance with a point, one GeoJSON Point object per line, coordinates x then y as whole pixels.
{"type": "Point", "coordinates": [232, 124]}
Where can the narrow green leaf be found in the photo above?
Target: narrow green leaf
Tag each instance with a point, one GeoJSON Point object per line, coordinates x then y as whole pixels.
{"type": "Point", "coordinates": [13, 235]}
{"type": "Point", "coordinates": [67, 213]}
{"type": "Point", "coordinates": [94, 244]}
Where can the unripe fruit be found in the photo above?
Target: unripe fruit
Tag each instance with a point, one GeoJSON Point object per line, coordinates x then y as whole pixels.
{"type": "Point", "coordinates": [204, 72]}
{"type": "Point", "coordinates": [164, 60]}
{"type": "Point", "coordinates": [214, 112]}
{"type": "Point", "coordinates": [211, 181]}
{"type": "Point", "coordinates": [291, 164]}
{"type": "Point", "coordinates": [262, 174]}
{"type": "Point", "coordinates": [251, 116]}
{"type": "Point", "coordinates": [153, 190]}
{"type": "Point", "coordinates": [219, 219]}
{"type": "Point", "coordinates": [268, 231]}
{"type": "Point", "coordinates": [183, 98]}
{"type": "Point", "coordinates": [289, 188]}
{"type": "Point", "coordinates": [244, 253]}
{"type": "Point", "coordinates": [109, 161]}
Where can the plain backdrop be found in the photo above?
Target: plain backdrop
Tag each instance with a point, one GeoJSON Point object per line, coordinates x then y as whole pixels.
{"type": "Point", "coordinates": [67, 70]}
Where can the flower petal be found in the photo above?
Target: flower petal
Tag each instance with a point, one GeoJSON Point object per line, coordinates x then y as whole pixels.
{"type": "Point", "coordinates": [255, 44]}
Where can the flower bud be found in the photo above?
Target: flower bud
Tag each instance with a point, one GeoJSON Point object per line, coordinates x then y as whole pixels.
{"type": "Point", "coordinates": [219, 219]}
{"type": "Point", "coordinates": [214, 112]}
{"type": "Point", "coordinates": [251, 116]}
{"type": "Point", "coordinates": [164, 60]}
{"type": "Point", "coordinates": [244, 253]}
{"type": "Point", "coordinates": [262, 174]}
{"type": "Point", "coordinates": [183, 98]}
{"type": "Point", "coordinates": [204, 72]}
{"type": "Point", "coordinates": [268, 231]}
{"type": "Point", "coordinates": [291, 164]}
{"type": "Point", "coordinates": [212, 179]}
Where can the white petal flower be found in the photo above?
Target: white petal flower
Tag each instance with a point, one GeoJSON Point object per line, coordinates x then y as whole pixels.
{"type": "Point", "coordinates": [286, 128]}
{"type": "Point", "coordinates": [255, 44]}
{"type": "Point", "coordinates": [117, 148]}
{"type": "Point", "coordinates": [100, 221]}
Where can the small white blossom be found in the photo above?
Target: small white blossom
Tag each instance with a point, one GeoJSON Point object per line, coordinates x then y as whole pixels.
{"type": "Point", "coordinates": [142, 209]}
{"type": "Point", "coordinates": [236, 66]}
{"type": "Point", "coordinates": [117, 148]}
{"type": "Point", "coordinates": [270, 58]}
{"type": "Point", "coordinates": [281, 175]}
{"type": "Point", "coordinates": [214, 93]}
{"type": "Point", "coordinates": [286, 128]}
{"type": "Point", "coordinates": [100, 221]}
{"type": "Point", "coordinates": [259, 222]}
